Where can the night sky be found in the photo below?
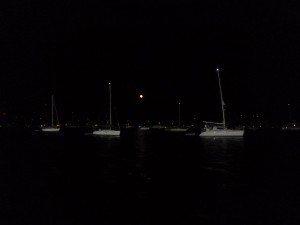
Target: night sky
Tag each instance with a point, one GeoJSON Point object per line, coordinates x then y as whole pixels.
{"type": "Point", "coordinates": [166, 50]}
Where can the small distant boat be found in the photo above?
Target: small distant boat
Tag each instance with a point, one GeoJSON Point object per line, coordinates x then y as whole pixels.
{"type": "Point", "coordinates": [290, 128]}
{"type": "Point", "coordinates": [176, 129]}
{"type": "Point", "coordinates": [144, 128]}
{"type": "Point", "coordinates": [193, 131]}
{"type": "Point", "coordinates": [213, 129]}
{"type": "Point", "coordinates": [52, 128]}
{"type": "Point", "coordinates": [158, 127]}
{"type": "Point", "coordinates": [179, 128]}
{"type": "Point", "coordinates": [110, 131]}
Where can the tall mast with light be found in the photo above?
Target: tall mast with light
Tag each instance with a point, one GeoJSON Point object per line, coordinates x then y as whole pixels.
{"type": "Point", "coordinates": [179, 124]}
{"type": "Point", "coordinates": [52, 114]}
{"type": "Point", "coordinates": [110, 120]}
{"type": "Point", "coordinates": [222, 101]}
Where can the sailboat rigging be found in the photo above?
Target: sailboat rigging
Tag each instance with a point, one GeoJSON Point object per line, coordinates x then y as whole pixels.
{"type": "Point", "coordinates": [110, 131]}
{"type": "Point", "coordinates": [52, 128]}
{"type": "Point", "coordinates": [213, 129]}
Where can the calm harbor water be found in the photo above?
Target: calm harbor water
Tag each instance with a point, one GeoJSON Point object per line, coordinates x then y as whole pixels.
{"type": "Point", "coordinates": [149, 179]}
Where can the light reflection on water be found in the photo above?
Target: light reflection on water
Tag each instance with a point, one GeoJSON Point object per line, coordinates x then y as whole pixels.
{"type": "Point", "coordinates": [187, 178]}
{"type": "Point", "coordinates": [221, 153]}
{"type": "Point", "coordinates": [107, 141]}
{"type": "Point", "coordinates": [151, 179]}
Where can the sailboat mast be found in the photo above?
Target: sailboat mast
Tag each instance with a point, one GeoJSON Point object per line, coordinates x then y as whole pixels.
{"type": "Point", "coordinates": [222, 101]}
{"type": "Point", "coordinates": [110, 121]}
{"type": "Point", "coordinates": [179, 114]}
{"type": "Point", "coordinates": [52, 119]}
{"type": "Point", "coordinates": [290, 115]}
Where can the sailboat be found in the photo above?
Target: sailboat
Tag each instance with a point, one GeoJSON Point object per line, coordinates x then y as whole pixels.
{"type": "Point", "coordinates": [108, 132]}
{"type": "Point", "coordinates": [213, 129]}
{"type": "Point", "coordinates": [179, 128]}
{"type": "Point", "coordinates": [290, 126]}
{"type": "Point", "coordinates": [52, 128]}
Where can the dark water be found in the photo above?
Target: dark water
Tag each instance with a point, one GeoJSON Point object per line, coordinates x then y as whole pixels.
{"type": "Point", "coordinates": [148, 179]}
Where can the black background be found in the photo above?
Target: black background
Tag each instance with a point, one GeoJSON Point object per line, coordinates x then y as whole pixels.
{"type": "Point", "coordinates": [166, 50]}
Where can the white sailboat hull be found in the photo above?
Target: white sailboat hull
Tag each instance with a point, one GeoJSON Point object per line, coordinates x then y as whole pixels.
{"type": "Point", "coordinates": [50, 129]}
{"type": "Point", "coordinates": [222, 133]}
{"type": "Point", "coordinates": [290, 128]}
{"type": "Point", "coordinates": [107, 132]}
